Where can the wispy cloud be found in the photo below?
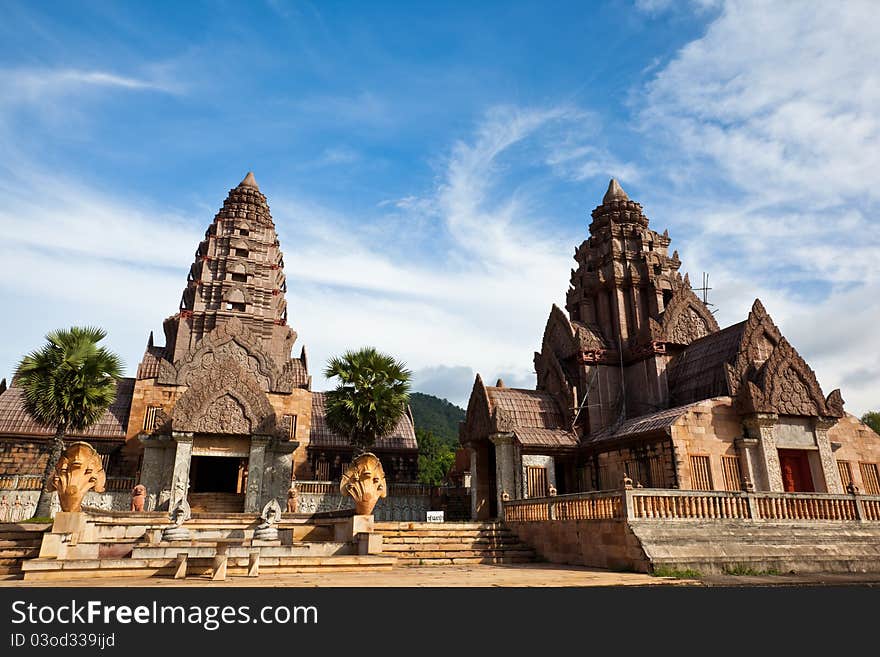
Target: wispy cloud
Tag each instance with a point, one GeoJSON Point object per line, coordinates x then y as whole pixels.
{"type": "Point", "coordinates": [40, 84]}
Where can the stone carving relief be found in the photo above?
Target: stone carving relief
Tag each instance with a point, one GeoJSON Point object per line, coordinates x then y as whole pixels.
{"type": "Point", "coordinates": [221, 398]}
{"type": "Point", "coordinates": [78, 471]}
{"type": "Point", "coordinates": [226, 414]}
{"type": "Point", "coordinates": [686, 318]}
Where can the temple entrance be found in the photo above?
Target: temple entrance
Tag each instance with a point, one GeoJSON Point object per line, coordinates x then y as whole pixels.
{"type": "Point", "coordinates": [217, 484]}
{"type": "Point", "coordinates": [796, 475]}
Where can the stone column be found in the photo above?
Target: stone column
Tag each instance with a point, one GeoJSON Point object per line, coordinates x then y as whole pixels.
{"type": "Point", "coordinates": [279, 466]}
{"type": "Point", "coordinates": [508, 469]}
{"type": "Point", "coordinates": [475, 479]}
{"type": "Point", "coordinates": [182, 458]}
{"type": "Point", "coordinates": [762, 426]}
{"type": "Point", "coordinates": [256, 468]}
{"type": "Point", "coordinates": [747, 448]}
{"type": "Point", "coordinates": [826, 455]}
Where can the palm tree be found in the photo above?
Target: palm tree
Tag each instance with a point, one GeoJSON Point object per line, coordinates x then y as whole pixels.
{"type": "Point", "coordinates": [371, 397]}
{"type": "Point", "coordinates": [67, 384]}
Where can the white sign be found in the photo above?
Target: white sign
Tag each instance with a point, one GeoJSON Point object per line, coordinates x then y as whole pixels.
{"type": "Point", "coordinates": [435, 516]}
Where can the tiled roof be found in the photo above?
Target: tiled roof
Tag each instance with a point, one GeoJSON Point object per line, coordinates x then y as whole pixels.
{"type": "Point", "coordinates": [402, 437]}
{"type": "Point", "coordinates": [529, 409]}
{"type": "Point", "coordinates": [546, 437]}
{"type": "Point", "coordinates": [149, 367]}
{"type": "Point", "coordinates": [643, 424]}
{"type": "Point", "coordinates": [300, 374]}
{"type": "Point", "coordinates": [698, 372]}
{"type": "Point", "coordinates": [15, 421]}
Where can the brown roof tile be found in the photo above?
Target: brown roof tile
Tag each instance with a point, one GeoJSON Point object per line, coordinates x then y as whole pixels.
{"type": "Point", "coordinates": [15, 421]}
{"type": "Point", "coordinates": [546, 438]}
{"type": "Point", "coordinates": [698, 372]}
{"type": "Point", "coordinates": [640, 425]}
{"type": "Point", "coordinates": [149, 367]}
{"type": "Point", "coordinates": [402, 437]}
{"type": "Point", "coordinates": [528, 409]}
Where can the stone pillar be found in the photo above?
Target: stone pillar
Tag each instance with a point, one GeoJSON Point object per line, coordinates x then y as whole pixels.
{"type": "Point", "coordinates": [747, 448]}
{"type": "Point", "coordinates": [256, 470]}
{"type": "Point", "coordinates": [762, 426]}
{"type": "Point", "coordinates": [157, 469]}
{"type": "Point", "coordinates": [182, 458]}
{"type": "Point", "coordinates": [279, 467]}
{"type": "Point", "coordinates": [475, 480]}
{"type": "Point", "coordinates": [508, 468]}
{"type": "Point", "coordinates": [826, 455]}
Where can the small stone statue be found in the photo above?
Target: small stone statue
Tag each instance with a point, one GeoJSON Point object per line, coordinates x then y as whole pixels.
{"type": "Point", "coordinates": [138, 498]}
{"type": "Point", "coordinates": [179, 515]}
{"type": "Point", "coordinates": [4, 510]}
{"type": "Point", "coordinates": [293, 497]}
{"type": "Point", "coordinates": [852, 489]}
{"type": "Point", "coordinates": [17, 510]}
{"type": "Point", "coordinates": [271, 514]}
{"type": "Point", "coordinates": [505, 496]}
{"type": "Point", "coordinates": [627, 482]}
{"type": "Point", "coordinates": [552, 490]}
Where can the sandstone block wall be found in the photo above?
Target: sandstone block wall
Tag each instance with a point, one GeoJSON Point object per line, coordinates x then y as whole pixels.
{"type": "Point", "coordinates": [598, 543]}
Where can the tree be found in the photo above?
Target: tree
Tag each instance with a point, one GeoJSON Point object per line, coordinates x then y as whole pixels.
{"type": "Point", "coordinates": [371, 396]}
{"type": "Point", "coordinates": [67, 384]}
{"type": "Point", "coordinates": [872, 419]}
{"type": "Point", "coordinates": [435, 458]}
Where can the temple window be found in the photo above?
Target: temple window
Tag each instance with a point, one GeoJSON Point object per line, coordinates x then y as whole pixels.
{"type": "Point", "coordinates": [241, 253]}
{"type": "Point", "coordinates": [845, 470]}
{"type": "Point", "coordinates": [150, 417]}
{"type": "Point", "coordinates": [237, 307]}
{"type": "Point", "coordinates": [536, 481]}
{"type": "Point", "coordinates": [239, 278]}
{"type": "Point", "coordinates": [701, 473]}
{"type": "Point", "coordinates": [732, 473]}
{"type": "Point", "coordinates": [244, 232]}
{"type": "Point", "coordinates": [291, 425]}
{"type": "Point", "coordinates": [870, 478]}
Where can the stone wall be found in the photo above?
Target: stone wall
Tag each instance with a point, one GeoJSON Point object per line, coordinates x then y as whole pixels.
{"type": "Point", "coordinates": [858, 444]}
{"type": "Point", "coordinates": [17, 505]}
{"type": "Point", "coordinates": [708, 429]}
{"type": "Point", "coordinates": [393, 507]}
{"type": "Point", "coordinates": [20, 456]}
{"type": "Point", "coordinates": [598, 543]}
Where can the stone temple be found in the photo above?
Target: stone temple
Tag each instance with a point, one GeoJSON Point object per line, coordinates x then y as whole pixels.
{"type": "Point", "coordinates": [222, 413]}
{"type": "Point", "coordinates": [636, 380]}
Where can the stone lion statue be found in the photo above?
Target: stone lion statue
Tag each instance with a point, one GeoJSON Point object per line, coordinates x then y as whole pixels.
{"type": "Point", "coordinates": [78, 471]}
{"type": "Point", "coordinates": [138, 498]}
{"type": "Point", "coordinates": [364, 481]}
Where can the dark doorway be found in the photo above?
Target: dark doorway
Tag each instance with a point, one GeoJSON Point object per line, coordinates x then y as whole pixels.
{"type": "Point", "coordinates": [795, 467]}
{"type": "Point", "coordinates": [215, 474]}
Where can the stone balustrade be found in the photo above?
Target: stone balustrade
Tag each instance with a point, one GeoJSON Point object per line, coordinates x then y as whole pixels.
{"type": "Point", "coordinates": [21, 482]}
{"type": "Point", "coordinates": [648, 503]}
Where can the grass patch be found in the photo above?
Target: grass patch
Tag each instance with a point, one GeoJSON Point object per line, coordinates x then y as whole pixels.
{"type": "Point", "coordinates": [38, 520]}
{"type": "Point", "coordinates": [687, 573]}
{"type": "Point", "coordinates": [740, 569]}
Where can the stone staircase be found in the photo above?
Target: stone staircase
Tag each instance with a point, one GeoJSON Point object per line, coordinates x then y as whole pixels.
{"type": "Point", "coordinates": [18, 542]}
{"type": "Point", "coordinates": [427, 543]}
{"type": "Point", "coordinates": [760, 547]}
{"type": "Point", "coordinates": [216, 502]}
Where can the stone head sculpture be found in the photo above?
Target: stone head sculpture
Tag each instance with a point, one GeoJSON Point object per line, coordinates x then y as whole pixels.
{"type": "Point", "coordinates": [364, 481]}
{"type": "Point", "coordinates": [79, 470]}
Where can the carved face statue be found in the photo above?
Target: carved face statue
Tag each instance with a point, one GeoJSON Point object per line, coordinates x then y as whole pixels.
{"type": "Point", "coordinates": [79, 470]}
{"type": "Point", "coordinates": [364, 480]}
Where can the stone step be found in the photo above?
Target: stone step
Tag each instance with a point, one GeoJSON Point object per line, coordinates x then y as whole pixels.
{"type": "Point", "coordinates": [445, 545]}
{"type": "Point", "coordinates": [460, 554]}
{"type": "Point", "coordinates": [384, 526]}
{"type": "Point", "coordinates": [54, 570]}
{"type": "Point", "coordinates": [455, 561]}
{"type": "Point", "coordinates": [22, 542]}
{"type": "Point", "coordinates": [19, 553]}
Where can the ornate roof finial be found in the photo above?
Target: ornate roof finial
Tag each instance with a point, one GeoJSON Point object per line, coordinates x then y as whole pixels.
{"type": "Point", "coordinates": [249, 181]}
{"type": "Point", "coordinates": [615, 191]}
{"type": "Point", "coordinates": [499, 383]}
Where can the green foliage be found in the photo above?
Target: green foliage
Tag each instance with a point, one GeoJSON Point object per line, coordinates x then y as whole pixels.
{"type": "Point", "coordinates": [740, 569]}
{"type": "Point", "coordinates": [664, 571]}
{"type": "Point", "coordinates": [437, 416]}
{"type": "Point", "coordinates": [872, 419]}
{"type": "Point", "coordinates": [70, 381]}
{"type": "Point", "coordinates": [371, 396]}
{"type": "Point", "coordinates": [435, 458]}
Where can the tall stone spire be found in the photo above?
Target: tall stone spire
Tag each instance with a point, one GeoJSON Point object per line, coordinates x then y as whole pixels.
{"type": "Point", "coordinates": [238, 274]}
{"type": "Point", "coordinates": [615, 191]}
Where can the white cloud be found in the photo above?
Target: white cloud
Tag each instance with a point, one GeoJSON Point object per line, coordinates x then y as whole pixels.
{"type": "Point", "coordinates": [34, 85]}
{"type": "Point", "coordinates": [770, 139]}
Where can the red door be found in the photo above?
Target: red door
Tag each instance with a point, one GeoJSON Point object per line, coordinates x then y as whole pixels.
{"type": "Point", "coordinates": [795, 466]}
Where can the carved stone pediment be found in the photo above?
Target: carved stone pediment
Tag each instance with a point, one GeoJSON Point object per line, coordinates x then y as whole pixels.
{"type": "Point", "coordinates": [224, 399]}
{"type": "Point", "coordinates": [686, 318]}
{"type": "Point", "coordinates": [233, 340]}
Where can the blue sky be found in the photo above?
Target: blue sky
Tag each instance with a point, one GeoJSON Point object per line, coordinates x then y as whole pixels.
{"type": "Point", "coordinates": [431, 166]}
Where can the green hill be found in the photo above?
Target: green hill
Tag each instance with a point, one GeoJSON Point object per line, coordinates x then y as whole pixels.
{"type": "Point", "coordinates": [436, 415]}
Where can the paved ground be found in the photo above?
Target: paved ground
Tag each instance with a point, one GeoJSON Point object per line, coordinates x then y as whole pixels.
{"type": "Point", "coordinates": [526, 575]}
{"type": "Point", "coordinates": [411, 576]}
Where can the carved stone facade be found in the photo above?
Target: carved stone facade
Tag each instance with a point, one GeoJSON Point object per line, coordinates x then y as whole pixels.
{"type": "Point", "coordinates": [637, 379]}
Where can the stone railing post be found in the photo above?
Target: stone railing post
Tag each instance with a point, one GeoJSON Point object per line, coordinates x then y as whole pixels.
{"type": "Point", "coordinates": [627, 501]}
{"type": "Point", "coordinates": [754, 510]}
{"type": "Point", "coordinates": [860, 510]}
